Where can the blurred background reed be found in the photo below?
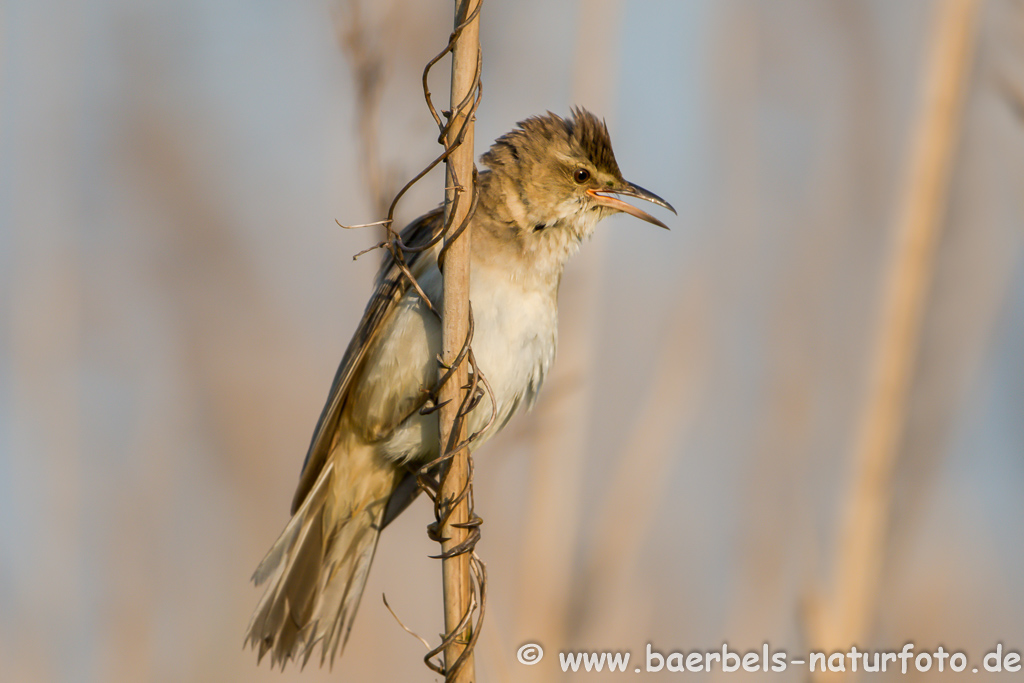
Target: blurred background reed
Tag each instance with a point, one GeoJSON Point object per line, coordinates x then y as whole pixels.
{"type": "Point", "coordinates": [175, 295]}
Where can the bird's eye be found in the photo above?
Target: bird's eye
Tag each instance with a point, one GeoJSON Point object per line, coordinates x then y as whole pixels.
{"type": "Point", "coordinates": [581, 175]}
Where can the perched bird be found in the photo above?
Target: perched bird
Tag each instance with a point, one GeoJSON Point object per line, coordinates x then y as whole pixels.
{"type": "Point", "coordinates": [548, 184]}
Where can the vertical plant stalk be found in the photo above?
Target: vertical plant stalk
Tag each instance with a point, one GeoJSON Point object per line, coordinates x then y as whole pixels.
{"type": "Point", "coordinates": [857, 574]}
{"type": "Point", "coordinates": [367, 63]}
{"type": "Point", "coordinates": [548, 568]}
{"type": "Point", "coordinates": [455, 494]}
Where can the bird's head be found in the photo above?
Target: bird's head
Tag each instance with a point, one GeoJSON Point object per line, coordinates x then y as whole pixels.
{"type": "Point", "coordinates": [557, 172]}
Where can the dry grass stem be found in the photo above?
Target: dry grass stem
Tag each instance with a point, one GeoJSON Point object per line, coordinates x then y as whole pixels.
{"type": "Point", "coordinates": [367, 61]}
{"type": "Point", "coordinates": [547, 565]}
{"type": "Point", "coordinates": [461, 385]}
{"type": "Point", "coordinates": [455, 492]}
{"type": "Point", "coordinates": [846, 617]}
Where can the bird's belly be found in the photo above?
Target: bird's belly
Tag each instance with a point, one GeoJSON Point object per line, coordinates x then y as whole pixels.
{"type": "Point", "coordinates": [513, 344]}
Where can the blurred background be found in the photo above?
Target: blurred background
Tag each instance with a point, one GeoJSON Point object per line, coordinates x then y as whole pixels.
{"type": "Point", "coordinates": [175, 296]}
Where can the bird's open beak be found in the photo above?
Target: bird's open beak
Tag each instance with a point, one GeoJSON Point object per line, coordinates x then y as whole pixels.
{"type": "Point", "coordinates": [606, 198]}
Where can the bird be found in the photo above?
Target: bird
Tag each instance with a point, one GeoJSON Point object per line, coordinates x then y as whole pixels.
{"type": "Point", "coordinates": [545, 186]}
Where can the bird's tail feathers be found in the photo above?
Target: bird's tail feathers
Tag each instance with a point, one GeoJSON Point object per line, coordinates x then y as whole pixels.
{"type": "Point", "coordinates": [317, 568]}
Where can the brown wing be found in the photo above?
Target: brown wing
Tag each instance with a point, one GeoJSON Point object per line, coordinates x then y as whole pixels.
{"type": "Point", "coordinates": [391, 286]}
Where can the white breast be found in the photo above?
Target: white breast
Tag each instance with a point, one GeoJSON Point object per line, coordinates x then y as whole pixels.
{"type": "Point", "coordinates": [514, 345]}
{"type": "Point", "coordinates": [514, 342]}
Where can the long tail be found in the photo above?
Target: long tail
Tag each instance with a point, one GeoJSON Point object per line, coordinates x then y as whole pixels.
{"type": "Point", "coordinates": [318, 567]}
